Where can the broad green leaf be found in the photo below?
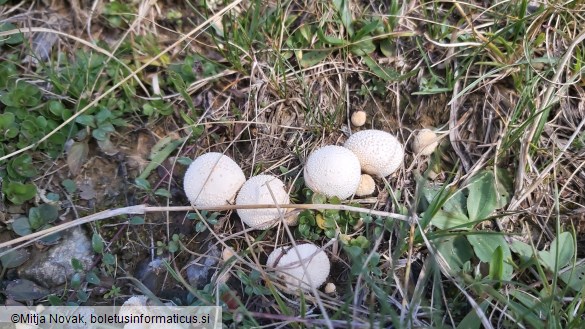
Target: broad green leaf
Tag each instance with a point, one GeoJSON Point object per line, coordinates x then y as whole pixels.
{"type": "Point", "coordinates": [136, 220]}
{"type": "Point", "coordinates": [386, 73]}
{"type": "Point", "coordinates": [524, 250]}
{"type": "Point", "coordinates": [481, 201]}
{"type": "Point", "coordinates": [566, 251]}
{"type": "Point", "coordinates": [69, 186]}
{"type": "Point", "coordinates": [97, 243]}
{"type": "Point", "coordinates": [14, 258]}
{"type": "Point", "coordinates": [448, 220]}
{"type": "Point", "coordinates": [485, 245]}
{"type": "Point", "coordinates": [574, 277]}
{"type": "Point", "coordinates": [21, 226]}
{"type": "Point", "coordinates": [92, 278]}
{"type": "Point", "coordinates": [504, 187]}
{"type": "Point", "coordinates": [363, 47]}
{"type": "Point", "coordinates": [455, 250]}
{"type": "Point", "coordinates": [312, 57]}
{"type": "Point", "coordinates": [142, 184]}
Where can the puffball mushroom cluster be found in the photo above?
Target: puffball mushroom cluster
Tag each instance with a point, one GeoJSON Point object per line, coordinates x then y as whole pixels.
{"type": "Point", "coordinates": [336, 171]}
{"type": "Point", "coordinates": [214, 179]}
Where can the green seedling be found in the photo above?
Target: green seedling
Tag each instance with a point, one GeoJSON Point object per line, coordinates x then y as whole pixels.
{"type": "Point", "coordinates": [39, 218]}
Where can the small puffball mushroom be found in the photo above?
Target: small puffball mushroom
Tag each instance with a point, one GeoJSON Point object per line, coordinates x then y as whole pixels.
{"type": "Point", "coordinates": [260, 190]}
{"type": "Point", "coordinates": [226, 254]}
{"type": "Point", "coordinates": [358, 118]}
{"type": "Point", "coordinates": [330, 288]}
{"type": "Point", "coordinates": [367, 186]}
{"type": "Point", "coordinates": [288, 265]}
{"type": "Point", "coordinates": [213, 179]}
{"type": "Point", "coordinates": [135, 305]}
{"type": "Point", "coordinates": [425, 142]}
{"type": "Point", "coordinates": [379, 152]}
{"type": "Point", "coordinates": [333, 171]}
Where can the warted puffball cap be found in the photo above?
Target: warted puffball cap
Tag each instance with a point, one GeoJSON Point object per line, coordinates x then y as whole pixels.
{"type": "Point", "coordinates": [257, 190]}
{"type": "Point", "coordinates": [379, 152]}
{"type": "Point", "coordinates": [425, 142]}
{"type": "Point", "coordinates": [212, 180]}
{"type": "Point", "coordinates": [333, 171]}
{"type": "Point", "coordinates": [290, 269]}
{"type": "Point", "coordinates": [367, 186]}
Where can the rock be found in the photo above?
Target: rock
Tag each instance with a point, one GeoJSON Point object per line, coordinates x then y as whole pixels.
{"type": "Point", "coordinates": [24, 290]}
{"type": "Point", "coordinates": [200, 271]}
{"type": "Point", "coordinates": [53, 268]}
{"type": "Point", "coordinates": [151, 273]}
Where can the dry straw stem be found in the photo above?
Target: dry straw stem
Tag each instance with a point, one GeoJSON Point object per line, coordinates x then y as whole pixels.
{"type": "Point", "coordinates": [117, 85]}
{"type": "Point", "coordinates": [143, 209]}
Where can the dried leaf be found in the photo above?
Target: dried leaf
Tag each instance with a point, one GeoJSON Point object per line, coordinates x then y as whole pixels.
{"type": "Point", "coordinates": [77, 156]}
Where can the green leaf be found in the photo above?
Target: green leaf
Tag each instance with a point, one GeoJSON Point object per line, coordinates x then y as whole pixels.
{"type": "Point", "coordinates": [97, 243]}
{"type": "Point", "coordinates": [109, 259]}
{"type": "Point", "coordinates": [160, 152]}
{"type": "Point", "coordinates": [482, 200]}
{"type": "Point", "coordinates": [312, 57]}
{"type": "Point", "coordinates": [449, 220]}
{"type": "Point", "coordinates": [574, 277]}
{"type": "Point", "coordinates": [21, 226]}
{"type": "Point", "coordinates": [386, 73]}
{"type": "Point", "coordinates": [524, 251]}
{"type": "Point", "coordinates": [76, 264]}
{"type": "Point", "coordinates": [564, 244]}
{"type": "Point", "coordinates": [22, 166]}
{"type": "Point", "coordinates": [330, 40]}
{"type": "Point", "coordinates": [18, 193]}
{"type": "Point", "coordinates": [86, 120]}
{"type": "Point", "coordinates": [184, 161]}
{"type": "Point", "coordinates": [14, 258]}
{"type": "Point", "coordinates": [92, 278]}
{"type": "Point", "coordinates": [363, 47]}
{"type": "Point", "coordinates": [42, 215]}
{"type": "Point", "coordinates": [69, 186]}
{"type": "Point", "coordinates": [485, 245]}
{"type": "Point", "coordinates": [163, 192]}
{"type": "Point", "coordinates": [496, 272]}
{"type": "Point", "coordinates": [342, 7]}
{"type": "Point", "coordinates": [455, 250]}
{"type": "Point", "coordinates": [142, 184]}
{"type": "Point", "coordinates": [136, 220]}
{"type": "Point", "coordinates": [13, 39]}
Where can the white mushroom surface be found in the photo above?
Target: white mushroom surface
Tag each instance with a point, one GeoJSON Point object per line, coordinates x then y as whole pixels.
{"type": "Point", "coordinates": [135, 305]}
{"type": "Point", "coordinates": [262, 189]}
{"type": "Point", "coordinates": [379, 152]}
{"type": "Point", "coordinates": [287, 263]}
{"type": "Point", "coordinates": [367, 186]}
{"type": "Point", "coordinates": [358, 118]}
{"type": "Point", "coordinates": [333, 171]}
{"type": "Point", "coordinates": [213, 179]}
{"type": "Point", "coordinates": [425, 142]}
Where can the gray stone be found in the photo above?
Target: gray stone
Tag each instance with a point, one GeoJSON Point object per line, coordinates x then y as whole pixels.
{"type": "Point", "coordinates": [53, 268]}
{"type": "Point", "coordinates": [200, 271]}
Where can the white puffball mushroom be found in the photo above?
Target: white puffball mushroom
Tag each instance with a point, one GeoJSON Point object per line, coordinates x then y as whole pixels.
{"type": "Point", "coordinates": [425, 142]}
{"type": "Point", "coordinates": [333, 171]}
{"type": "Point", "coordinates": [288, 265]}
{"type": "Point", "coordinates": [367, 186]}
{"type": "Point", "coordinates": [257, 190]}
{"type": "Point", "coordinates": [212, 180]}
{"type": "Point", "coordinates": [330, 288]}
{"type": "Point", "coordinates": [358, 118]}
{"type": "Point", "coordinates": [135, 305]}
{"type": "Point", "coordinates": [379, 152]}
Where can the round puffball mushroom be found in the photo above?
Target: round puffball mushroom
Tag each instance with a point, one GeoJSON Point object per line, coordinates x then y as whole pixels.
{"type": "Point", "coordinates": [260, 190]}
{"type": "Point", "coordinates": [333, 171]}
{"type": "Point", "coordinates": [288, 265]}
{"type": "Point", "coordinates": [358, 118]}
{"type": "Point", "coordinates": [379, 152]}
{"type": "Point", "coordinates": [367, 186]}
{"type": "Point", "coordinates": [425, 142]}
{"type": "Point", "coordinates": [330, 288]}
{"type": "Point", "coordinates": [212, 180]}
